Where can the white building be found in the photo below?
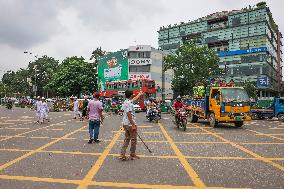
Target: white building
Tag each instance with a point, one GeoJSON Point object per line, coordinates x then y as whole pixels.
{"type": "Point", "coordinates": [147, 62]}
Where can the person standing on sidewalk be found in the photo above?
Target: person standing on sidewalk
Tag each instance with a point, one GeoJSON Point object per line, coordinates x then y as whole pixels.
{"type": "Point", "coordinates": [37, 108]}
{"type": "Point", "coordinates": [94, 110]}
{"type": "Point", "coordinates": [129, 125]}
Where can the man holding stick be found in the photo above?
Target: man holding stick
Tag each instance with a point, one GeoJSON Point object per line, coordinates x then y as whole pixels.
{"type": "Point", "coordinates": [129, 125]}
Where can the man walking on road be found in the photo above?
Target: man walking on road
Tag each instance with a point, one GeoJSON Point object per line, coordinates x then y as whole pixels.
{"type": "Point", "coordinates": [37, 108]}
{"type": "Point", "coordinates": [94, 110]}
{"type": "Point", "coordinates": [129, 125]}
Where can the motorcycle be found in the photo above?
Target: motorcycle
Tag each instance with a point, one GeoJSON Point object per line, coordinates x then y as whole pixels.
{"type": "Point", "coordinates": [181, 119]}
{"type": "Point", "coordinates": [154, 114]}
{"type": "Point", "coordinates": [9, 105]}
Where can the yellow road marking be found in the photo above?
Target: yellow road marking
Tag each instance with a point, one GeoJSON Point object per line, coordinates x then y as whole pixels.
{"type": "Point", "coordinates": [185, 142]}
{"type": "Point", "coordinates": [27, 132]}
{"type": "Point", "coordinates": [37, 179]}
{"type": "Point", "coordinates": [36, 150]}
{"type": "Point", "coordinates": [190, 171]}
{"type": "Point", "coordinates": [11, 128]}
{"type": "Point", "coordinates": [107, 184]}
{"type": "Point", "coordinates": [201, 133]}
{"type": "Point", "coordinates": [275, 128]}
{"type": "Point", "coordinates": [3, 123]}
{"type": "Point", "coordinates": [39, 137]}
{"type": "Point", "coordinates": [145, 126]}
{"type": "Point", "coordinates": [276, 143]}
{"type": "Point", "coordinates": [14, 150]}
{"type": "Point", "coordinates": [270, 134]}
{"type": "Point", "coordinates": [265, 134]}
{"type": "Point", "coordinates": [94, 170]}
{"type": "Point", "coordinates": [54, 129]}
{"type": "Point", "coordinates": [246, 150]}
{"type": "Point", "coordinates": [151, 132]}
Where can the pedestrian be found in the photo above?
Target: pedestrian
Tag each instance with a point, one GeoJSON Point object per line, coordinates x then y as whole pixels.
{"type": "Point", "coordinates": [85, 106]}
{"type": "Point", "coordinates": [43, 111]}
{"type": "Point", "coordinates": [76, 109]}
{"type": "Point", "coordinates": [37, 109]}
{"type": "Point", "coordinates": [129, 125]}
{"type": "Point", "coordinates": [94, 112]}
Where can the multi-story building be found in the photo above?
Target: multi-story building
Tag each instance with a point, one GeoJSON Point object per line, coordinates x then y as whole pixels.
{"type": "Point", "coordinates": [136, 62]}
{"type": "Point", "coordinates": [247, 41]}
{"type": "Point", "coordinates": [147, 62]}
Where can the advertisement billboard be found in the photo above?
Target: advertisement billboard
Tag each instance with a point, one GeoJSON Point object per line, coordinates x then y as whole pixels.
{"type": "Point", "coordinates": [112, 67]}
{"type": "Point", "coordinates": [244, 51]}
{"type": "Point", "coordinates": [140, 61]}
{"type": "Point", "coordinates": [136, 76]}
{"type": "Point", "coordinates": [262, 82]}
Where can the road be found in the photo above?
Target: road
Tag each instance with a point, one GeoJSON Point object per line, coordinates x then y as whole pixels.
{"type": "Point", "coordinates": [56, 154]}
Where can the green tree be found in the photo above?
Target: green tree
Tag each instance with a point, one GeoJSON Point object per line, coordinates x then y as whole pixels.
{"type": "Point", "coordinates": [41, 71]}
{"type": "Point", "coordinates": [250, 87]}
{"type": "Point", "coordinates": [16, 82]}
{"type": "Point", "coordinates": [190, 63]}
{"type": "Point", "coordinates": [95, 55]}
{"type": "Point", "coordinates": [74, 77]}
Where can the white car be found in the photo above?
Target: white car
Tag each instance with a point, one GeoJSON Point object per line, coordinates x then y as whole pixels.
{"type": "Point", "coordinates": [137, 108]}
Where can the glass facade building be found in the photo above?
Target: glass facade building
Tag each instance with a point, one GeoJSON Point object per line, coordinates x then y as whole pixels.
{"type": "Point", "coordinates": [247, 42]}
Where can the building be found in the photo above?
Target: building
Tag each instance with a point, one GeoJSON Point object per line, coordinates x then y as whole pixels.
{"type": "Point", "coordinates": [136, 62]}
{"type": "Point", "coordinates": [147, 62]}
{"type": "Point", "coordinates": [247, 41]}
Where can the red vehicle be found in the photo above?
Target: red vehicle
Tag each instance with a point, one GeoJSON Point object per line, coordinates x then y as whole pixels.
{"type": "Point", "coordinates": [118, 87]}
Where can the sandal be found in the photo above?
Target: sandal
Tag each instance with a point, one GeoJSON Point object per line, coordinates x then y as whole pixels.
{"type": "Point", "coordinates": [123, 158]}
{"type": "Point", "coordinates": [134, 157]}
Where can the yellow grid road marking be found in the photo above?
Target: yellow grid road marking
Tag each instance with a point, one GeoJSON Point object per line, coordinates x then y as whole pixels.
{"type": "Point", "coordinates": [37, 179]}
{"type": "Point", "coordinates": [3, 123]}
{"type": "Point", "coordinates": [28, 132]}
{"type": "Point", "coordinates": [275, 128]}
{"type": "Point", "coordinates": [185, 142]}
{"type": "Point", "coordinates": [36, 150]}
{"type": "Point", "coordinates": [190, 171]}
{"type": "Point", "coordinates": [11, 128]}
{"type": "Point", "coordinates": [109, 184]}
{"type": "Point", "coordinates": [245, 150]}
{"type": "Point", "coordinates": [260, 143]}
{"type": "Point", "coordinates": [151, 132]}
{"type": "Point", "coordinates": [265, 134]}
{"type": "Point", "coordinates": [201, 133]}
{"type": "Point", "coordinates": [270, 134]}
{"type": "Point", "coordinates": [94, 170]}
{"type": "Point", "coordinates": [54, 129]}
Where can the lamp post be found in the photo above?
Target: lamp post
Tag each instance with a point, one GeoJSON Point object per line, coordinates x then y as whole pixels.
{"type": "Point", "coordinates": [35, 85]}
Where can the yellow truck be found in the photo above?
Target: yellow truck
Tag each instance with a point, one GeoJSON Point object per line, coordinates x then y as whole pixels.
{"type": "Point", "coordinates": [220, 104]}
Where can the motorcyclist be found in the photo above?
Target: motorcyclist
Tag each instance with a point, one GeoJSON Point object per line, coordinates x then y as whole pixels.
{"type": "Point", "coordinates": [150, 104]}
{"type": "Point", "coordinates": [177, 106]}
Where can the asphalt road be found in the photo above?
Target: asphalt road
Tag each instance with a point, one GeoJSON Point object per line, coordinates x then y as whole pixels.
{"type": "Point", "coordinates": [56, 154]}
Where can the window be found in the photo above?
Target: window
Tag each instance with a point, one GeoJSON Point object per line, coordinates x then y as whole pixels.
{"type": "Point", "coordinates": [139, 54]}
{"type": "Point", "coordinates": [144, 68]}
{"type": "Point", "coordinates": [281, 102]}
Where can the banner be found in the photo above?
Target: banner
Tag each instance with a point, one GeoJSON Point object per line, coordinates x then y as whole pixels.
{"type": "Point", "coordinates": [262, 82]}
{"type": "Point", "coordinates": [112, 67]}
{"type": "Point", "coordinates": [139, 76]}
{"type": "Point", "coordinates": [245, 51]}
{"type": "Point", "coordinates": [140, 61]}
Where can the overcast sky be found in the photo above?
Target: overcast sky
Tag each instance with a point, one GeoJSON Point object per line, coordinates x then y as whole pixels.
{"type": "Point", "coordinates": [62, 28]}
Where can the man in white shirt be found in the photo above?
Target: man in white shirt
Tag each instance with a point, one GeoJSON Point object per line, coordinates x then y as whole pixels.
{"type": "Point", "coordinates": [76, 109]}
{"type": "Point", "coordinates": [37, 109]}
{"type": "Point", "coordinates": [129, 125]}
{"type": "Point", "coordinates": [43, 111]}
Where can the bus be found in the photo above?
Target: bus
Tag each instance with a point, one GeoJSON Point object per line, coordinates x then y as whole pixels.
{"type": "Point", "coordinates": [148, 86]}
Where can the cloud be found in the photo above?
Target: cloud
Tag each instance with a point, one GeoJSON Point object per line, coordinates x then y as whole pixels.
{"type": "Point", "coordinates": [27, 23]}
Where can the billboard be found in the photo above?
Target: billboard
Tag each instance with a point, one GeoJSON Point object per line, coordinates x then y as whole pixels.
{"type": "Point", "coordinates": [262, 82]}
{"type": "Point", "coordinates": [136, 76]}
{"type": "Point", "coordinates": [244, 51]}
{"type": "Point", "coordinates": [112, 67]}
{"type": "Point", "coordinates": [140, 61]}
{"type": "Point", "coordinates": [140, 48]}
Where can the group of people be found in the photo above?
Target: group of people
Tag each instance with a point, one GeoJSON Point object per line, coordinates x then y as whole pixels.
{"type": "Point", "coordinates": [42, 110]}
{"type": "Point", "coordinates": [200, 87]}
{"type": "Point", "coordinates": [80, 111]}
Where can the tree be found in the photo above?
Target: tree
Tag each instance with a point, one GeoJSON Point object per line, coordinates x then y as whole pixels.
{"type": "Point", "coordinates": [250, 87]}
{"type": "Point", "coordinates": [74, 77]}
{"type": "Point", "coordinates": [41, 71]}
{"type": "Point", "coordinates": [191, 63]}
{"type": "Point", "coordinates": [95, 55]}
{"type": "Point", "coordinates": [16, 83]}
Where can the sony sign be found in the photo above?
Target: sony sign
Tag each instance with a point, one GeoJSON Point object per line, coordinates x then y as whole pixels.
{"type": "Point", "coordinates": [140, 61]}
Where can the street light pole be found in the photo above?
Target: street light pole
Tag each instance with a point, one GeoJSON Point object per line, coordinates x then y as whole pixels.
{"type": "Point", "coordinates": [35, 85]}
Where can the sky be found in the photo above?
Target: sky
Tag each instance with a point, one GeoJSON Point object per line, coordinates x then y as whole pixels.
{"type": "Point", "coordinates": [64, 28]}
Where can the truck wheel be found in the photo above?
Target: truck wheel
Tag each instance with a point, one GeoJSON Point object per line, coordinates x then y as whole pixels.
{"type": "Point", "coordinates": [239, 123]}
{"type": "Point", "coordinates": [192, 117]}
{"type": "Point", "coordinates": [281, 117]}
{"type": "Point", "coordinates": [212, 120]}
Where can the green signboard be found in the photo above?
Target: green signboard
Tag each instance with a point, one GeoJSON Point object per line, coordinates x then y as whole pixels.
{"type": "Point", "coordinates": [112, 67]}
